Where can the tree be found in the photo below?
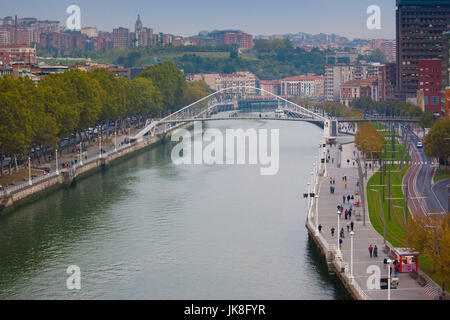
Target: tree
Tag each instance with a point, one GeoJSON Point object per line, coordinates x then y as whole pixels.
{"type": "Point", "coordinates": [170, 81]}
{"type": "Point", "coordinates": [437, 143]}
{"type": "Point", "coordinates": [427, 119]}
{"type": "Point", "coordinates": [144, 98]}
{"type": "Point", "coordinates": [423, 239]}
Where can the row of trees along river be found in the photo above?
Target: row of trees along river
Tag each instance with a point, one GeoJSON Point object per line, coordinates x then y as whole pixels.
{"type": "Point", "coordinates": [67, 104]}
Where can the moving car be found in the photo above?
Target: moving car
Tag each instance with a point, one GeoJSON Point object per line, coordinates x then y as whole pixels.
{"type": "Point", "coordinates": [419, 144]}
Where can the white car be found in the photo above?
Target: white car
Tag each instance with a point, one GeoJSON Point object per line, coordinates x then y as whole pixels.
{"type": "Point", "coordinates": [419, 144]}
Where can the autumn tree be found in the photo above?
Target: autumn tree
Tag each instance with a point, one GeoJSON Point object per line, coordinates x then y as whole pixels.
{"type": "Point", "coordinates": [437, 142]}
{"type": "Point", "coordinates": [431, 237]}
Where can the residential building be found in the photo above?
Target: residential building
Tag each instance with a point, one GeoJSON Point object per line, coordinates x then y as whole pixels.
{"type": "Point", "coordinates": [270, 87]}
{"type": "Point", "coordinates": [302, 86]}
{"type": "Point", "coordinates": [338, 74]}
{"type": "Point", "coordinates": [354, 89]}
{"type": "Point", "coordinates": [231, 37]}
{"type": "Point", "coordinates": [387, 46]}
{"type": "Point", "coordinates": [242, 84]}
{"type": "Point", "coordinates": [209, 78]}
{"type": "Point", "coordinates": [430, 83]}
{"type": "Point", "coordinates": [121, 37]}
{"type": "Point", "coordinates": [419, 28]}
{"type": "Point", "coordinates": [445, 68]}
{"type": "Point", "coordinates": [90, 32]}
{"type": "Point", "coordinates": [65, 43]}
{"type": "Point", "coordinates": [17, 54]}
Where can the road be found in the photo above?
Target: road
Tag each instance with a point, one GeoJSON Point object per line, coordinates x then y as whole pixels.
{"type": "Point", "coordinates": [422, 197]}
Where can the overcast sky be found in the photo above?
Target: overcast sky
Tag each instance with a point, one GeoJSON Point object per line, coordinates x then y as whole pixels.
{"type": "Point", "coordinates": [188, 17]}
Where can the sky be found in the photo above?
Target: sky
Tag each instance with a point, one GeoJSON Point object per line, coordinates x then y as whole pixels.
{"type": "Point", "coordinates": [188, 17]}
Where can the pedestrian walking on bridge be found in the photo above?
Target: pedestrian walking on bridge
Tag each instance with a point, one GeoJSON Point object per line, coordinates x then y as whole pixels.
{"type": "Point", "coordinates": [332, 231]}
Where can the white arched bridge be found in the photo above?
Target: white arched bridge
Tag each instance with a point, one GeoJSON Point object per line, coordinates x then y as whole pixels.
{"type": "Point", "coordinates": [224, 105]}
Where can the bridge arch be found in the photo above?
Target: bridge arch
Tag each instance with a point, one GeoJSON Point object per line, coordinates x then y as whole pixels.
{"type": "Point", "coordinates": [199, 110]}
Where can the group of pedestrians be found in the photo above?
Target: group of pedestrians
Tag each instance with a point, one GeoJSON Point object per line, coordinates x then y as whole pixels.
{"type": "Point", "coordinates": [332, 184]}
{"type": "Point", "coordinates": [373, 251]}
{"type": "Point", "coordinates": [349, 198]}
{"type": "Point", "coordinates": [69, 164]}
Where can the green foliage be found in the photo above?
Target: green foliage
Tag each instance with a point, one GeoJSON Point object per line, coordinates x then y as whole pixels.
{"type": "Point", "coordinates": [170, 81]}
{"type": "Point", "coordinates": [437, 141]}
{"type": "Point", "coordinates": [68, 103]}
{"type": "Point", "coordinates": [387, 108]}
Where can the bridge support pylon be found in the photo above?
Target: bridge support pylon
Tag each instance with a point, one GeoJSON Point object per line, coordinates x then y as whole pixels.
{"type": "Point", "coordinates": [330, 130]}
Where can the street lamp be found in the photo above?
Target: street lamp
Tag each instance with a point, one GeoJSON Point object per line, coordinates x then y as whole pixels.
{"type": "Point", "coordinates": [382, 213]}
{"type": "Point", "coordinates": [115, 140]}
{"type": "Point", "coordinates": [29, 171]}
{"type": "Point", "coordinates": [100, 145]}
{"type": "Point", "coordinates": [351, 255]}
{"type": "Point", "coordinates": [56, 157]}
{"type": "Point", "coordinates": [317, 210]}
{"type": "Point", "coordinates": [389, 261]}
{"type": "Point", "coordinates": [81, 155]}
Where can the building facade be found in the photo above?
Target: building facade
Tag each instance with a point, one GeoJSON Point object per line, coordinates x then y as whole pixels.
{"type": "Point", "coordinates": [242, 84]}
{"type": "Point", "coordinates": [17, 54]}
{"type": "Point", "coordinates": [338, 74]}
{"type": "Point", "coordinates": [302, 86]}
{"type": "Point", "coordinates": [354, 89]}
{"type": "Point", "coordinates": [121, 37]}
{"type": "Point", "coordinates": [419, 28]}
{"type": "Point", "coordinates": [430, 84]}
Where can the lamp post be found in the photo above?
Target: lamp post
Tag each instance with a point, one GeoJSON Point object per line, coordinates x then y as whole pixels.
{"type": "Point", "coordinates": [389, 261]}
{"type": "Point", "coordinates": [29, 172]}
{"type": "Point", "coordinates": [100, 145]}
{"type": "Point", "coordinates": [382, 213]}
{"type": "Point", "coordinates": [351, 255]}
{"type": "Point", "coordinates": [56, 157]}
{"type": "Point", "coordinates": [438, 250]}
{"type": "Point", "coordinates": [115, 140]}
{"type": "Point", "coordinates": [317, 211]}
{"type": "Point", "coordinates": [81, 154]}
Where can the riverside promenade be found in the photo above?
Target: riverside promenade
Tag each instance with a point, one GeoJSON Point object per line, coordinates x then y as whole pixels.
{"type": "Point", "coordinates": [323, 211]}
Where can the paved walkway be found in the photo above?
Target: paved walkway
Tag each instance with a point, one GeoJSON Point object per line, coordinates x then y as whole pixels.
{"type": "Point", "coordinates": [364, 235]}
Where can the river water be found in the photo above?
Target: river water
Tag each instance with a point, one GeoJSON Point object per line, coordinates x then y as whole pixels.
{"type": "Point", "coordinates": [146, 228]}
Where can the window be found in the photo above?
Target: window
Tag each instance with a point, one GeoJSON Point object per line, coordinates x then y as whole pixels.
{"type": "Point", "coordinates": [425, 100]}
{"type": "Point", "coordinates": [435, 100]}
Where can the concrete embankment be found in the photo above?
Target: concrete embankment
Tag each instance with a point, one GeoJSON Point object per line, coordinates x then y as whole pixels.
{"type": "Point", "coordinates": [45, 185]}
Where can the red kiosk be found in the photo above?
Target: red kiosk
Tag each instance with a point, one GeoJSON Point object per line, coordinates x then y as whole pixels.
{"type": "Point", "coordinates": [408, 260]}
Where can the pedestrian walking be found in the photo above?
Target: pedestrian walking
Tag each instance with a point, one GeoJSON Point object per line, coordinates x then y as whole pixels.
{"type": "Point", "coordinates": [343, 199]}
{"type": "Point", "coordinates": [375, 251]}
{"type": "Point", "coordinates": [351, 225]}
{"type": "Point", "coordinates": [320, 228]}
{"type": "Point", "coordinates": [350, 213]}
{"type": "Point", "coordinates": [332, 231]}
{"type": "Point", "coordinates": [340, 243]}
{"type": "Point", "coordinates": [345, 184]}
{"type": "Point", "coordinates": [370, 250]}
{"type": "Point", "coordinates": [342, 233]}
{"type": "Point", "coordinates": [348, 226]}
{"type": "Point", "coordinates": [348, 198]}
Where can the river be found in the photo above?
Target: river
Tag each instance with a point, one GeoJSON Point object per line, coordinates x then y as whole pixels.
{"type": "Point", "coordinates": [146, 228]}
